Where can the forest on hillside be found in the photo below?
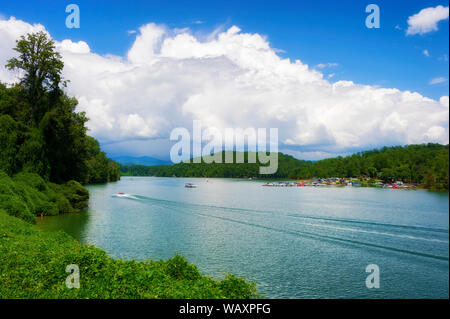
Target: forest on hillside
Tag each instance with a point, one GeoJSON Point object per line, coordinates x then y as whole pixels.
{"type": "Point", "coordinates": [40, 132]}
{"type": "Point", "coordinates": [426, 164]}
{"type": "Point", "coordinates": [46, 154]}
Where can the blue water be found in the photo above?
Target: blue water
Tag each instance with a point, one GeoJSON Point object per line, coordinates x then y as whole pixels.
{"type": "Point", "coordinates": [294, 242]}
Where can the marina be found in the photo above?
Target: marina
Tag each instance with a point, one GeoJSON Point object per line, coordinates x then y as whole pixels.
{"type": "Point", "coordinates": [341, 182]}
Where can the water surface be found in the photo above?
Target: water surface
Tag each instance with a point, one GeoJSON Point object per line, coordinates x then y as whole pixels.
{"type": "Point", "coordinates": [294, 242]}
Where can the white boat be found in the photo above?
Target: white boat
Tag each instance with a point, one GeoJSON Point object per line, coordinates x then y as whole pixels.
{"type": "Point", "coordinates": [190, 185]}
{"type": "Point", "coordinates": [120, 194]}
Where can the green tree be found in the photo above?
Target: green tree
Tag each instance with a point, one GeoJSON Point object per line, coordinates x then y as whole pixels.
{"type": "Point", "coordinates": [372, 172]}
{"type": "Point", "coordinates": [42, 67]}
{"type": "Point", "coordinates": [9, 137]}
{"type": "Point", "coordinates": [41, 131]}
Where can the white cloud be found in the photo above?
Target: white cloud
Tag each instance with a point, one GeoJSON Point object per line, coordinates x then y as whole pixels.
{"type": "Point", "coordinates": [279, 50]}
{"type": "Point", "coordinates": [74, 47]}
{"type": "Point", "coordinates": [230, 79]}
{"type": "Point", "coordinates": [426, 20]}
{"type": "Point", "coordinates": [326, 65]}
{"type": "Point", "coordinates": [426, 53]}
{"type": "Point", "coordinates": [444, 101]}
{"type": "Point", "coordinates": [438, 80]}
{"type": "Point", "coordinates": [10, 31]}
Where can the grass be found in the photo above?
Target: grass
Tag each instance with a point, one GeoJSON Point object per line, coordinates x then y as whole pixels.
{"type": "Point", "coordinates": [33, 264]}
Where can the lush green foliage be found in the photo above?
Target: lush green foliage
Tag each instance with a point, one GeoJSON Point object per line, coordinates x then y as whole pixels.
{"type": "Point", "coordinates": [27, 195]}
{"type": "Point", "coordinates": [43, 142]}
{"type": "Point", "coordinates": [40, 132]}
{"type": "Point", "coordinates": [426, 164]}
{"type": "Point", "coordinates": [33, 264]}
{"type": "Point", "coordinates": [42, 67]}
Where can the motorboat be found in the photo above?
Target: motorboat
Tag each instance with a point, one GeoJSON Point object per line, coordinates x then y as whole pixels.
{"type": "Point", "coordinates": [121, 194]}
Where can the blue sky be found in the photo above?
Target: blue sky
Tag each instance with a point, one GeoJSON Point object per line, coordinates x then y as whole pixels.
{"type": "Point", "coordinates": [139, 69]}
{"type": "Point", "coordinates": [313, 31]}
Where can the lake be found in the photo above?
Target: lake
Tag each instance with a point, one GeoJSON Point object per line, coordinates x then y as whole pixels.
{"type": "Point", "coordinates": [294, 242]}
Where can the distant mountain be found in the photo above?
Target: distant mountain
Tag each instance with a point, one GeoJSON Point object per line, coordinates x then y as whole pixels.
{"type": "Point", "coordinates": [142, 160]}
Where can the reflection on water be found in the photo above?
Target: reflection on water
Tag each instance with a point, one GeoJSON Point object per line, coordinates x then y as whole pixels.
{"type": "Point", "coordinates": [297, 242]}
{"type": "Point", "coordinates": [73, 224]}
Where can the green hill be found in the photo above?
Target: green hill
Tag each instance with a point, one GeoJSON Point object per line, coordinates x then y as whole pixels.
{"type": "Point", "coordinates": [46, 154]}
{"type": "Point", "coordinates": [426, 164]}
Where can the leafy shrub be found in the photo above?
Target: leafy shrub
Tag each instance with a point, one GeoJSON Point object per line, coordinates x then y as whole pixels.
{"type": "Point", "coordinates": [179, 268]}
{"type": "Point", "coordinates": [77, 195]}
{"type": "Point", "coordinates": [27, 195]}
{"type": "Point", "coordinates": [31, 179]}
{"type": "Point", "coordinates": [16, 207]}
{"type": "Point", "coordinates": [33, 265]}
{"type": "Point", "coordinates": [233, 287]}
{"type": "Point", "coordinates": [62, 203]}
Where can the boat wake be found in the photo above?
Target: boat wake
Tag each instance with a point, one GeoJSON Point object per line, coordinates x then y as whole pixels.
{"type": "Point", "coordinates": [409, 239]}
{"type": "Point", "coordinates": [123, 195]}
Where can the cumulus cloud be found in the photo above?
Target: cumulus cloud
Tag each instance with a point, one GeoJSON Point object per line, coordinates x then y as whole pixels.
{"type": "Point", "coordinates": [10, 31]}
{"type": "Point", "coordinates": [230, 79]}
{"type": "Point", "coordinates": [426, 20]}
{"type": "Point", "coordinates": [444, 101]}
{"type": "Point", "coordinates": [426, 53]}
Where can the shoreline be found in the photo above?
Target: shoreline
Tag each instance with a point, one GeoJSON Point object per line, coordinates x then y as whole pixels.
{"type": "Point", "coordinates": [44, 256]}
{"type": "Point", "coordinates": [256, 179]}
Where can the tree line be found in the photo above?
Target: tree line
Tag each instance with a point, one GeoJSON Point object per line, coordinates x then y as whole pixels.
{"type": "Point", "coordinates": [425, 164]}
{"type": "Point", "coordinates": [40, 132]}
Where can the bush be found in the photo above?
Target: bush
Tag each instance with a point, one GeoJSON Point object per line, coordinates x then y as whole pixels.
{"type": "Point", "coordinates": [27, 195]}
{"type": "Point", "coordinates": [77, 195]}
{"type": "Point", "coordinates": [62, 203]}
{"type": "Point", "coordinates": [16, 207]}
{"type": "Point", "coordinates": [33, 265]}
{"type": "Point", "coordinates": [179, 268]}
{"type": "Point", "coordinates": [233, 287]}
